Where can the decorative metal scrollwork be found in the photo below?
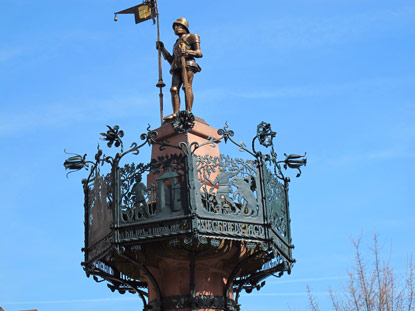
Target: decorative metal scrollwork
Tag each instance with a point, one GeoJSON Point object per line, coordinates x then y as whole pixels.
{"type": "Point", "coordinates": [277, 204]}
{"type": "Point", "coordinates": [232, 189]}
{"type": "Point", "coordinates": [225, 133]}
{"type": "Point", "coordinates": [265, 137]}
{"type": "Point", "coordinates": [172, 162]}
{"type": "Point", "coordinates": [139, 201]}
{"type": "Point", "coordinates": [198, 302]}
{"type": "Point", "coordinates": [134, 193]}
{"type": "Point", "coordinates": [147, 137]}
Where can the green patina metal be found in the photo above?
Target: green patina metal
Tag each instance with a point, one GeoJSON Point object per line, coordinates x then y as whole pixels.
{"type": "Point", "coordinates": [194, 199]}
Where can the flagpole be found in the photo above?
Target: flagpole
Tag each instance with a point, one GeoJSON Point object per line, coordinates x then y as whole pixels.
{"type": "Point", "coordinates": [160, 84]}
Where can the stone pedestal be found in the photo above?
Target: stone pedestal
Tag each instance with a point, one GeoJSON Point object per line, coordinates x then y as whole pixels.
{"type": "Point", "coordinates": [211, 271]}
{"type": "Point", "coordinates": [179, 276]}
{"type": "Point", "coordinates": [200, 134]}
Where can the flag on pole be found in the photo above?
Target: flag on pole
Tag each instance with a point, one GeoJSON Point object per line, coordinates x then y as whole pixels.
{"type": "Point", "coordinates": [148, 10]}
{"type": "Point", "coordinates": [142, 12]}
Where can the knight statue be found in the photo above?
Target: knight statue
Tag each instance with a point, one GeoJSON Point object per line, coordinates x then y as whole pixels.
{"type": "Point", "coordinates": [183, 63]}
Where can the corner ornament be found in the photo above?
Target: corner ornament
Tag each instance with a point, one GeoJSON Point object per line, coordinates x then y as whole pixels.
{"type": "Point", "coordinates": [183, 122]}
{"type": "Point", "coordinates": [76, 163]}
{"type": "Point", "coordinates": [265, 134]}
{"type": "Point", "coordinates": [265, 137]}
{"type": "Point", "coordinates": [113, 136]}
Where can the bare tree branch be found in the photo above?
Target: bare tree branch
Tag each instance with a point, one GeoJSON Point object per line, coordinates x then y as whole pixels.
{"type": "Point", "coordinates": [374, 287]}
{"type": "Point", "coordinates": [312, 301]}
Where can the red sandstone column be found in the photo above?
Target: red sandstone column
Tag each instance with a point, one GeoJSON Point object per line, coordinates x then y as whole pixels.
{"type": "Point", "coordinates": [172, 268]}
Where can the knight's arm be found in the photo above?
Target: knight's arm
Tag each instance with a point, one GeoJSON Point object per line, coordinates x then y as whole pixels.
{"type": "Point", "coordinates": [166, 55]}
{"type": "Point", "coordinates": [194, 41]}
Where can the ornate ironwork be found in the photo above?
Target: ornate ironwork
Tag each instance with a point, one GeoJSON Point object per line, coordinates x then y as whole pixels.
{"type": "Point", "coordinates": [277, 203]}
{"type": "Point", "coordinates": [183, 121]}
{"type": "Point", "coordinates": [225, 133]}
{"type": "Point", "coordinates": [265, 134]}
{"type": "Point", "coordinates": [294, 161]}
{"type": "Point", "coordinates": [198, 302]}
{"type": "Point", "coordinates": [76, 163]}
{"type": "Point", "coordinates": [190, 201]}
{"type": "Point", "coordinates": [134, 193]}
{"type": "Point", "coordinates": [113, 136]}
{"type": "Point", "coordinates": [234, 190]}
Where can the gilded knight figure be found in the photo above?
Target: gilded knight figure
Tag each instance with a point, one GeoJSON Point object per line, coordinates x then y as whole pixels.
{"type": "Point", "coordinates": [186, 48]}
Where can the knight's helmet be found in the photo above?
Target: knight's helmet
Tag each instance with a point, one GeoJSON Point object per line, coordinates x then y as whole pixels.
{"type": "Point", "coordinates": [182, 21]}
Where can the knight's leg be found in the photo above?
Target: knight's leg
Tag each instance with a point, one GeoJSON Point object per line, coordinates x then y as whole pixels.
{"type": "Point", "coordinates": [175, 87]}
{"type": "Point", "coordinates": [190, 75]}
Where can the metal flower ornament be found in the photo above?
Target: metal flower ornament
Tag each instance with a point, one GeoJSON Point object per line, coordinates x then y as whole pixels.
{"type": "Point", "coordinates": [113, 136]}
{"type": "Point", "coordinates": [294, 161]}
{"type": "Point", "coordinates": [76, 163]}
{"type": "Point", "coordinates": [183, 121]}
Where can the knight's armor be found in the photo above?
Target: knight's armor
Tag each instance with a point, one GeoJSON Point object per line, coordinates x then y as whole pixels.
{"type": "Point", "coordinates": [192, 42]}
{"type": "Point", "coordinates": [187, 46]}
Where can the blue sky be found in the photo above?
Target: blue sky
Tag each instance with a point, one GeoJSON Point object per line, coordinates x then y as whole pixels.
{"type": "Point", "coordinates": [334, 78]}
